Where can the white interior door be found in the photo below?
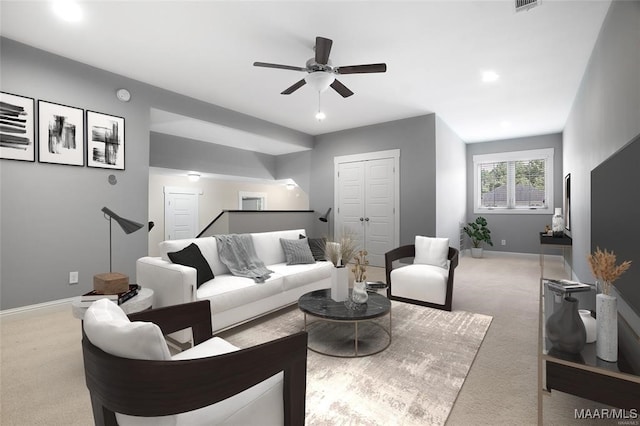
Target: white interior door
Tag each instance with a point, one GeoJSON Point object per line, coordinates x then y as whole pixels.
{"type": "Point", "coordinates": [366, 197]}
{"type": "Point", "coordinates": [180, 213]}
{"type": "Point", "coordinates": [351, 207]}
{"type": "Point", "coordinates": [379, 209]}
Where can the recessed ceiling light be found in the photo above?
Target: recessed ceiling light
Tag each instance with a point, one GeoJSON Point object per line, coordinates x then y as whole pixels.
{"type": "Point", "coordinates": [490, 76]}
{"type": "Point", "coordinates": [68, 10]}
{"type": "Point", "coordinates": [505, 124]}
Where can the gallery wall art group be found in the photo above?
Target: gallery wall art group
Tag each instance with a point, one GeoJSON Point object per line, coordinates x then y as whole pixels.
{"type": "Point", "coordinates": [66, 135]}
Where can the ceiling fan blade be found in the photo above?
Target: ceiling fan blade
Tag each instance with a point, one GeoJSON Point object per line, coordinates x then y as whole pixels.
{"type": "Point", "coordinates": [283, 67]}
{"type": "Point", "coordinates": [323, 49]}
{"type": "Point", "coordinates": [293, 88]}
{"type": "Point", "coordinates": [341, 88]}
{"type": "Point", "coordinates": [361, 69]}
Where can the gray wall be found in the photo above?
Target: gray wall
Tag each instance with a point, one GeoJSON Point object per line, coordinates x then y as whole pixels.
{"type": "Point", "coordinates": [415, 137]}
{"type": "Point", "coordinates": [520, 230]}
{"type": "Point", "coordinates": [605, 116]}
{"type": "Point", "coordinates": [173, 152]}
{"type": "Point", "coordinates": [296, 166]}
{"type": "Point", "coordinates": [451, 183]}
{"type": "Point", "coordinates": [50, 221]}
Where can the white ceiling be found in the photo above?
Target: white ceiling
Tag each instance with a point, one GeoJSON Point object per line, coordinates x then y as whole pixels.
{"type": "Point", "coordinates": [435, 52]}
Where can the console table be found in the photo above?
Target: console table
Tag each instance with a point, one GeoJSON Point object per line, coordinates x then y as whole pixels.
{"type": "Point", "coordinates": [583, 375]}
{"type": "Point", "coordinates": [548, 241]}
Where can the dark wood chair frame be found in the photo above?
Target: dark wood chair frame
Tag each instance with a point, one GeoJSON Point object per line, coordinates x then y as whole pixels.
{"type": "Point", "coordinates": [408, 251]}
{"type": "Point", "coordinates": [159, 388]}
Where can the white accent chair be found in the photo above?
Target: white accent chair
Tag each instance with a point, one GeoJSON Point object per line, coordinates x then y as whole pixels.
{"type": "Point", "coordinates": [133, 379]}
{"type": "Point", "coordinates": [428, 281]}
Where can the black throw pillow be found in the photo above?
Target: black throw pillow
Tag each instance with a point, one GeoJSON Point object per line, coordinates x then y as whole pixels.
{"type": "Point", "coordinates": [317, 246]}
{"type": "Point", "coordinates": [192, 256]}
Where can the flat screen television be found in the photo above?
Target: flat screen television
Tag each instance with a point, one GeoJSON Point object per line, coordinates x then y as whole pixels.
{"type": "Point", "coordinates": [615, 217]}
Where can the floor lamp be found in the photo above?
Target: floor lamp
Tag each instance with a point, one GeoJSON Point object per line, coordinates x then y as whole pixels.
{"type": "Point", "coordinates": [325, 219]}
{"type": "Point", "coordinates": [114, 282]}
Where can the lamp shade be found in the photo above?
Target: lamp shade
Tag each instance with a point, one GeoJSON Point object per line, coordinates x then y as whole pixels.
{"type": "Point", "coordinates": [325, 218]}
{"type": "Point", "coordinates": [128, 226]}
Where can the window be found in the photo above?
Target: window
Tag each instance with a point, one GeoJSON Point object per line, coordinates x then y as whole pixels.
{"type": "Point", "coordinates": [514, 182]}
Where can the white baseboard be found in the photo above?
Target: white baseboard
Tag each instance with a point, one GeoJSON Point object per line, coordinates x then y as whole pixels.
{"type": "Point", "coordinates": [497, 253]}
{"type": "Point", "coordinates": [39, 307]}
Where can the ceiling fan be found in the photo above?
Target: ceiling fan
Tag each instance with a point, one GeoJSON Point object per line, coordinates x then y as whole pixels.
{"type": "Point", "coordinates": [321, 74]}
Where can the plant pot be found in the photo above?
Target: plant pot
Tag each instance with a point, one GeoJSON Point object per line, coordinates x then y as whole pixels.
{"type": "Point", "coordinates": [476, 252]}
{"type": "Point", "coordinates": [339, 284]}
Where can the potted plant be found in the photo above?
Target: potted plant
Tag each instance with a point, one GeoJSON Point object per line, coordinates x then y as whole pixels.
{"type": "Point", "coordinates": [479, 233]}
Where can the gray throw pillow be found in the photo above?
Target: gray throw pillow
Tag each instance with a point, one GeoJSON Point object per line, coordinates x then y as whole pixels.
{"type": "Point", "coordinates": [297, 251]}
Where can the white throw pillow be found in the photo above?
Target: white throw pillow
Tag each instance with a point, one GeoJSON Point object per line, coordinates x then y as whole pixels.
{"type": "Point", "coordinates": [431, 251]}
{"type": "Point", "coordinates": [109, 328]}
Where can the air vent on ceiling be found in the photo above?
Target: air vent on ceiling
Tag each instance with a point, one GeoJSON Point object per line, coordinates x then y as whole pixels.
{"type": "Point", "coordinates": [524, 5]}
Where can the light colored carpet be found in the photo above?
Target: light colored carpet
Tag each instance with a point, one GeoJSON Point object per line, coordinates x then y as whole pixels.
{"type": "Point", "coordinates": [413, 382]}
{"type": "Point", "coordinates": [42, 378]}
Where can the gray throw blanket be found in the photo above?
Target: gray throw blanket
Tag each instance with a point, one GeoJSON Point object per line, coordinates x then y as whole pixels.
{"type": "Point", "coordinates": [237, 252]}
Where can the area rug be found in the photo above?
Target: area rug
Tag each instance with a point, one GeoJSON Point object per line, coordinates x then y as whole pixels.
{"type": "Point", "coordinates": [415, 381]}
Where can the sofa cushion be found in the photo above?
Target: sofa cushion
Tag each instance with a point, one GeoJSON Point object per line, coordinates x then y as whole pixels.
{"type": "Point", "coordinates": [297, 251]}
{"type": "Point", "coordinates": [192, 256]}
{"type": "Point", "coordinates": [228, 291]}
{"type": "Point", "coordinates": [317, 246]}
{"type": "Point", "coordinates": [108, 327]}
{"type": "Point", "coordinates": [420, 282]}
{"type": "Point", "coordinates": [295, 276]}
{"type": "Point", "coordinates": [431, 251]}
{"type": "Point", "coordinates": [268, 247]}
{"type": "Point", "coordinates": [260, 404]}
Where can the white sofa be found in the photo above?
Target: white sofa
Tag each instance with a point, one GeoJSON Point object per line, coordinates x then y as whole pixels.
{"type": "Point", "coordinates": [233, 299]}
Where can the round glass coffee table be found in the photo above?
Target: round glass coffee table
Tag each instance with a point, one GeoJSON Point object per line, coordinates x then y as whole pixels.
{"type": "Point", "coordinates": [343, 330]}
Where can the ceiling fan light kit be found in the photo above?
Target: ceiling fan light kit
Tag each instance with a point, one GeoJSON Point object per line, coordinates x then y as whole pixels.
{"type": "Point", "coordinates": [320, 81]}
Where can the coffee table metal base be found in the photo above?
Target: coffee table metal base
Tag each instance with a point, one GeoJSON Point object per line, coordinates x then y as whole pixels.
{"type": "Point", "coordinates": [356, 351]}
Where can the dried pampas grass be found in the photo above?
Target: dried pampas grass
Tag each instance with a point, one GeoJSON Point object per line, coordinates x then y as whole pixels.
{"type": "Point", "coordinates": [604, 268]}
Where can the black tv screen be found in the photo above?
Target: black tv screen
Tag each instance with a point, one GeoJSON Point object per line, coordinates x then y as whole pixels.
{"type": "Point", "coordinates": [615, 215]}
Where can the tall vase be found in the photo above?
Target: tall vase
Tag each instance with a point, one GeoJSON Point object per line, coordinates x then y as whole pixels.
{"type": "Point", "coordinates": [607, 329]}
{"type": "Point", "coordinates": [339, 284]}
{"type": "Point", "coordinates": [565, 329]}
{"type": "Point", "coordinates": [359, 292]}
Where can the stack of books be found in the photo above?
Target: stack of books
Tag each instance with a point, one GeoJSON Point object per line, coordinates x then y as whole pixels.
{"type": "Point", "coordinates": [88, 298]}
{"type": "Point", "coordinates": [567, 286]}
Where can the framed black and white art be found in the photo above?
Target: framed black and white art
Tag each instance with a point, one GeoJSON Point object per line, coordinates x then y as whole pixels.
{"type": "Point", "coordinates": [61, 134]}
{"type": "Point", "coordinates": [105, 141]}
{"type": "Point", "coordinates": [17, 127]}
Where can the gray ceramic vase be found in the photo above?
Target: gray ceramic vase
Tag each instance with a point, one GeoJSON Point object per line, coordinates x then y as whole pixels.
{"type": "Point", "coordinates": [565, 328]}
